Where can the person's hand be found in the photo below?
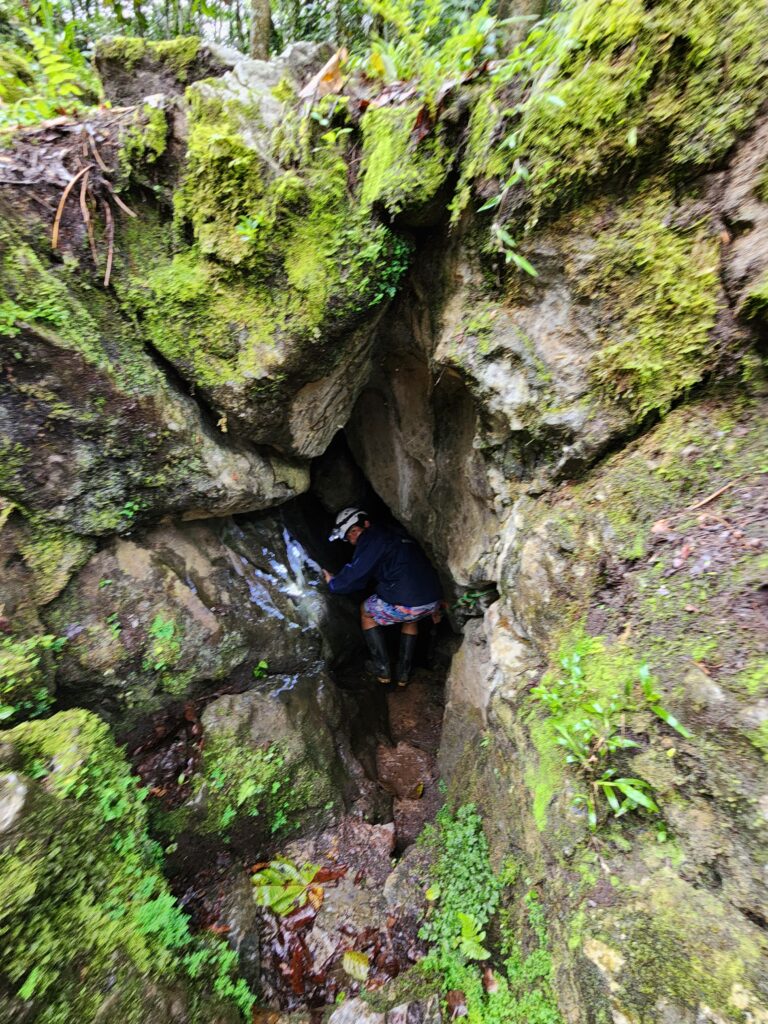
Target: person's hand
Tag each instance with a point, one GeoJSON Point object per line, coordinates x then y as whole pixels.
{"type": "Point", "coordinates": [327, 575]}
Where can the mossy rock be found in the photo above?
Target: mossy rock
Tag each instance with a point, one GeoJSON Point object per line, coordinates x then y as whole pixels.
{"type": "Point", "coordinates": [270, 764]}
{"type": "Point", "coordinates": [673, 948]}
{"type": "Point", "coordinates": [132, 68]}
{"type": "Point", "coordinates": [85, 400]}
{"type": "Point", "coordinates": [155, 618]}
{"type": "Point", "coordinates": [613, 87]}
{"type": "Point", "coordinates": [269, 312]}
{"type": "Point", "coordinates": [89, 927]}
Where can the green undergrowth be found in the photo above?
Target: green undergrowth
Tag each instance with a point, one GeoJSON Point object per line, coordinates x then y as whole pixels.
{"type": "Point", "coordinates": [84, 902]}
{"type": "Point", "coordinates": [162, 652]}
{"type": "Point", "coordinates": [660, 284]}
{"type": "Point", "coordinates": [598, 87]}
{"type": "Point", "coordinates": [475, 923]}
{"type": "Point", "coordinates": [42, 73]}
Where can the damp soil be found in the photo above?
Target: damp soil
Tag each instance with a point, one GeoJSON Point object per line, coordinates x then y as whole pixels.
{"type": "Point", "coordinates": [297, 962]}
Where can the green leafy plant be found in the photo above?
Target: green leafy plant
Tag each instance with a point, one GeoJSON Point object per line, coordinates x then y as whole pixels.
{"type": "Point", "coordinates": [23, 692]}
{"type": "Point", "coordinates": [42, 75]}
{"type": "Point", "coordinates": [470, 942]}
{"type": "Point", "coordinates": [282, 887]}
{"type": "Point", "coordinates": [653, 697]}
{"type": "Point", "coordinates": [260, 670]}
{"type": "Point", "coordinates": [465, 897]}
{"type": "Point", "coordinates": [420, 43]}
{"type": "Point", "coordinates": [592, 730]}
{"type": "Point", "coordinates": [471, 600]}
{"type": "Point", "coordinates": [130, 509]}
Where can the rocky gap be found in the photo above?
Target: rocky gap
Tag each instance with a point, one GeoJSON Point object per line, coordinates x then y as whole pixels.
{"type": "Point", "coordinates": [392, 739]}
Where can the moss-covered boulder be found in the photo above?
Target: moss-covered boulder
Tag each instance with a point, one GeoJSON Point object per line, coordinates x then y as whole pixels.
{"type": "Point", "coordinates": [132, 68]}
{"type": "Point", "coordinates": [89, 928]}
{"type": "Point", "coordinates": [622, 710]}
{"type": "Point", "coordinates": [96, 435]}
{"type": "Point", "coordinates": [270, 763]}
{"type": "Point", "coordinates": [268, 305]}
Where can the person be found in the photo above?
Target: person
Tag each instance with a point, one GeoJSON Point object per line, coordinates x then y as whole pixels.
{"type": "Point", "coordinates": [407, 588]}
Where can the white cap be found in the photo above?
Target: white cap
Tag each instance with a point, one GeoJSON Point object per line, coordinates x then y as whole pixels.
{"type": "Point", "coordinates": [345, 520]}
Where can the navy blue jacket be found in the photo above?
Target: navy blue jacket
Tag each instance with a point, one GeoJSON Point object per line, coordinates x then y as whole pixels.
{"type": "Point", "coordinates": [395, 561]}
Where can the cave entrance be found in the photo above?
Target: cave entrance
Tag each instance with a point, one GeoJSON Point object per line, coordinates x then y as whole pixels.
{"type": "Point", "coordinates": [395, 731]}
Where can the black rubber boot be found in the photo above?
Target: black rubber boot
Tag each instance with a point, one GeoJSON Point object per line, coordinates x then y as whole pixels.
{"type": "Point", "coordinates": [377, 645]}
{"type": "Point", "coordinates": [405, 657]}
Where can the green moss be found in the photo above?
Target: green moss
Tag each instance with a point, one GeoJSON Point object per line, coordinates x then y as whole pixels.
{"type": "Point", "coordinates": [13, 456]}
{"type": "Point", "coordinates": [33, 294]}
{"type": "Point", "coordinates": [278, 257]}
{"type": "Point", "coordinates": [61, 305]}
{"type": "Point", "coordinates": [545, 777]}
{"type": "Point", "coordinates": [52, 555]}
{"type": "Point", "coordinates": [177, 54]}
{"type": "Point", "coordinates": [26, 676]}
{"type": "Point", "coordinates": [124, 50]}
{"type": "Point", "coordinates": [611, 84]}
{"type": "Point", "coordinates": [680, 946]}
{"type": "Point", "coordinates": [162, 652]}
{"type": "Point", "coordinates": [756, 302]}
{"type": "Point", "coordinates": [695, 450]}
{"type": "Point", "coordinates": [240, 782]}
{"type": "Point", "coordinates": [91, 911]}
{"type": "Point", "coordinates": [759, 738]}
{"type": "Point", "coordinates": [753, 679]}
{"type": "Point", "coordinates": [587, 673]}
{"type": "Point", "coordinates": [662, 282]}
{"type": "Point", "coordinates": [145, 140]}
{"type": "Point", "coordinates": [398, 169]}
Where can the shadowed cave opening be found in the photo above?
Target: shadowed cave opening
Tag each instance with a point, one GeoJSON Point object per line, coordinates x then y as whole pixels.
{"type": "Point", "coordinates": [388, 739]}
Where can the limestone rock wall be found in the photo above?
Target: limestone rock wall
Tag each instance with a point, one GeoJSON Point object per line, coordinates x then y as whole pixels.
{"type": "Point", "coordinates": [605, 434]}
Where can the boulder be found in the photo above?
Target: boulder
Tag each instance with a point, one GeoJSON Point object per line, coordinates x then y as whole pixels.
{"type": "Point", "coordinates": [168, 613]}
{"type": "Point", "coordinates": [269, 763]}
{"type": "Point", "coordinates": [74, 853]}
{"type": "Point", "coordinates": [132, 68]}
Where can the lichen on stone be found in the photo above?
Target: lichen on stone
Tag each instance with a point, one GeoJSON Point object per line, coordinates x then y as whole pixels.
{"type": "Point", "coordinates": [660, 284]}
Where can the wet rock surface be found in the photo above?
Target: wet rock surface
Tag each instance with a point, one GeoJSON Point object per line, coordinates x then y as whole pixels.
{"type": "Point", "coordinates": [185, 607]}
{"type": "Point", "coordinates": [369, 903]}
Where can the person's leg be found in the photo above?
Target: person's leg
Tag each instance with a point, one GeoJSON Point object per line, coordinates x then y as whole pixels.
{"type": "Point", "coordinates": [409, 635]}
{"type": "Point", "coordinates": [376, 642]}
{"type": "Point", "coordinates": [367, 621]}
